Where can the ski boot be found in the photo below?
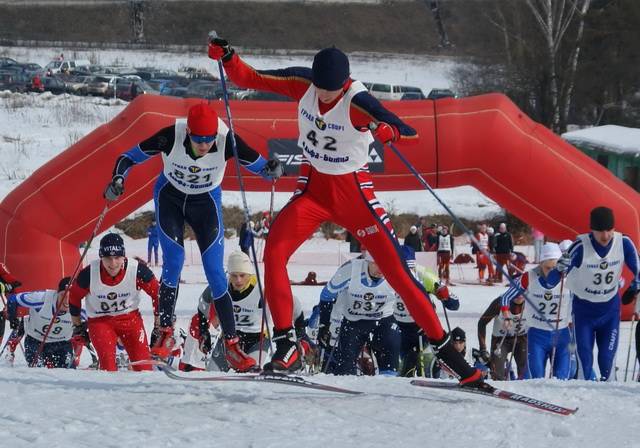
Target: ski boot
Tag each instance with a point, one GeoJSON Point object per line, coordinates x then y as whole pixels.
{"type": "Point", "coordinates": [288, 356]}
{"type": "Point", "coordinates": [237, 359]}
{"type": "Point", "coordinates": [164, 343]}
{"type": "Point", "coordinates": [452, 361]}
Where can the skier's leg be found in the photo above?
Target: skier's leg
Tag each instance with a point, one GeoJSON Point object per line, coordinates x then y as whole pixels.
{"type": "Point", "coordinates": [130, 330]}
{"type": "Point", "coordinates": [103, 337]}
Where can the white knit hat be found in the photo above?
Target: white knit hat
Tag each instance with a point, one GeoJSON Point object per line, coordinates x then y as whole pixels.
{"type": "Point", "coordinates": [239, 262]}
{"type": "Point", "coordinates": [550, 251]}
{"type": "Point", "coordinates": [565, 245]}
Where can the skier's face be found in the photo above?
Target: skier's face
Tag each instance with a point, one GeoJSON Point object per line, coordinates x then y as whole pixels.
{"type": "Point", "coordinates": [63, 301]}
{"type": "Point", "coordinates": [328, 96]}
{"type": "Point", "coordinates": [201, 148]}
{"type": "Point", "coordinates": [603, 236]}
{"type": "Point", "coordinates": [113, 265]}
{"type": "Point", "coordinates": [374, 270]}
{"type": "Point", "coordinates": [547, 265]}
{"type": "Point", "coordinates": [239, 280]}
{"type": "Point", "coordinates": [459, 346]}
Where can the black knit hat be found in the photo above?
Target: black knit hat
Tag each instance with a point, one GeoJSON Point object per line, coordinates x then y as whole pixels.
{"type": "Point", "coordinates": [458, 334]}
{"type": "Point", "coordinates": [330, 69]}
{"type": "Point", "coordinates": [111, 245]}
{"type": "Point", "coordinates": [62, 284]}
{"type": "Point", "coordinates": [602, 219]}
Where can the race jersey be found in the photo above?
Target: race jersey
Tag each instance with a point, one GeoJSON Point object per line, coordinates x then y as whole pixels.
{"type": "Point", "coordinates": [329, 141]}
{"type": "Point", "coordinates": [112, 300]}
{"type": "Point", "coordinates": [195, 176]}
{"type": "Point", "coordinates": [444, 243]}
{"type": "Point", "coordinates": [518, 326]}
{"type": "Point", "coordinates": [365, 302]}
{"type": "Point", "coordinates": [41, 314]}
{"type": "Point", "coordinates": [550, 307]}
{"type": "Point", "coordinates": [483, 239]}
{"type": "Point", "coordinates": [597, 278]}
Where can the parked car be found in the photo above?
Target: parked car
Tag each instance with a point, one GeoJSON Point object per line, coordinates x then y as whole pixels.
{"type": "Point", "coordinates": [162, 84]}
{"type": "Point", "coordinates": [204, 89]}
{"type": "Point", "coordinates": [98, 85]}
{"type": "Point", "coordinates": [180, 92]}
{"type": "Point", "coordinates": [4, 62]}
{"type": "Point", "coordinates": [29, 68]}
{"type": "Point", "coordinates": [13, 81]}
{"type": "Point", "coordinates": [390, 92]}
{"type": "Point", "coordinates": [128, 89]}
{"type": "Point", "coordinates": [77, 85]}
{"type": "Point", "coordinates": [53, 84]}
{"type": "Point", "coordinates": [412, 96]}
{"type": "Point", "coordinates": [435, 94]}
{"type": "Point", "coordinates": [58, 66]}
{"type": "Point", "coordinates": [258, 95]}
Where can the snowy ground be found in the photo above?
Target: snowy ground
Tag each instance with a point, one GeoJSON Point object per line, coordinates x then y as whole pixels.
{"type": "Point", "coordinates": [88, 408]}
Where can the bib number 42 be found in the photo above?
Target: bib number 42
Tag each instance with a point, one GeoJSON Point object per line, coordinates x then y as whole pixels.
{"type": "Point", "coordinates": [329, 142]}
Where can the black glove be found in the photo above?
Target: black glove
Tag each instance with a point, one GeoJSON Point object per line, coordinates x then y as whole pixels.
{"type": "Point", "coordinates": [219, 49]}
{"type": "Point", "coordinates": [115, 188]}
{"type": "Point", "coordinates": [273, 169]}
{"type": "Point", "coordinates": [324, 336]}
{"type": "Point", "coordinates": [629, 295]}
{"type": "Point", "coordinates": [8, 288]}
{"type": "Point", "coordinates": [80, 332]}
{"type": "Point", "coordinates": [484, 356]}
{"type": "Point", "coordinates": [205, 341]}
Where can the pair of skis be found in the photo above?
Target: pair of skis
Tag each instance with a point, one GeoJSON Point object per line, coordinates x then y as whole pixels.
{"type": "Point", "coordinates": [292, 380]}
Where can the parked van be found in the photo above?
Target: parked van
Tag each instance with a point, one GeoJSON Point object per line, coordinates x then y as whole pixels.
{"type": "Point", "coordinates": [387, 92]}
{"type": "Point", "coordinates": [58, 66]}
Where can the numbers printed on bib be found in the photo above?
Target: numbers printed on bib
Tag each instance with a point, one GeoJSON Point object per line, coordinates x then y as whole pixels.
{"type": "Point", "coordinates": [113, 306]}
{"type": "Point", "coordinates": [56, 330]}
{"type": "Point", "coordinates": [608, 278]}
{"type": "Point", "coordinates": [192, 178]}
{"type": "Point", "coordinates": [553, 308]}
{"type": "Point", "coordinates": [368, 306]}
{"type": "Point", "coordinates": [330, 142]}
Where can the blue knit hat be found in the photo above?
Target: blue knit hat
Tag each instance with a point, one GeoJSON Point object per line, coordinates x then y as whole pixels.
{"type": "Point", "coordinates": [330, 69]}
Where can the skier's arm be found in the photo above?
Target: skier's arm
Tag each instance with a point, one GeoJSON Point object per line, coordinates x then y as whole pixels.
{"type": "Point", "coordinates": [366, 109]}
{"type": "Point", "coordinates": [490, 313]}
{"type": "Point", "coordinates": [292, 82]}
{"type": "Point", "coordinates": [148, 282]}
{"type": "Point", "coordinates": [33, 299]}
{"type": "Point", "coordinates": [162, 141]}
{"type": "Point", "coordinates": [516, 289]}
{"type": "Point", "coordinates": [77, 291]}
{"type": "Point", "coordinates": [631, 260]}
{"type": "Point", "coordinates": [247, 156]}
{"type": "Point", "coordinates": [575, 254]}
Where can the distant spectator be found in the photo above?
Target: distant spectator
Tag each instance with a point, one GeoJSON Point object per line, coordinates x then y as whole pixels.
{"type": "Point", "coordinates": [430, 239]}
{"type": "Point", "coordinates": [445, 252]}
{"type": "Point", "coordinates": [538, 242]}
{"type": "Point", "coordinates": [413, 239]}
{"type": "Point", "coordinates": [504, 248]}
{"type": "Point", "coordinates": [153, 242]}
{"type": "Point", "coordinates": [36, 84]}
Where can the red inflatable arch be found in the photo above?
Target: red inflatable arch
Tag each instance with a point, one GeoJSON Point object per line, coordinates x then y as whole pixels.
{"type": "Point", "coordinates": [483, 141]}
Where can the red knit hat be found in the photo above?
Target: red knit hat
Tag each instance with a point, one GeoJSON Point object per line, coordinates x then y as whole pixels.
{"type": "Point", "coordinates": [202, 120]}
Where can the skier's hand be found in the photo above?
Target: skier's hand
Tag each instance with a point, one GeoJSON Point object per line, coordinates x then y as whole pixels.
{"type": "Point", "coordinates": [80, 333]}
{"type": "Point", "coordinates": [630, 294]}
{"type": "Point", "coordinates": [115, 188]}
{"type": "Point", "coordinates": [485, 357]}
{"type": "Point", "coordinates": [220, 50]}
{"type": "Point", "coordinates": [324, 336]}
{"type": "Point", "coordinates": [204, 342]}
{"type": "Point", "coordinates": [384, 132]}
{"type": "Point", "coordinates": [442, 293]}
{"type": "Point", "coordinates": [563, 263]}
{"type": "Point", "coordinates": [273, 169]}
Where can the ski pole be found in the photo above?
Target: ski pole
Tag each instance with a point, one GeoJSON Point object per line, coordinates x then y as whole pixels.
{"type": "Point", "coordinates": [234, 147]}
{"type": "Point", "coordinates": [64, 297]}
{"type": "Point", "coordinates": [626, 368]}
{"type": "Point", "coordinates": [457, 220]}
{"type": "Point", "coordinates": [555, 332]}
{"type": "Point", "coordinates": [264, 305]}
{"type": "Point", "coordinates": [513, 350]}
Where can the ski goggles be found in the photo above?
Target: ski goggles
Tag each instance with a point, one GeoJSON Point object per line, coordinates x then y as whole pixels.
{"type": "Point", "coordinates": [202, 138]}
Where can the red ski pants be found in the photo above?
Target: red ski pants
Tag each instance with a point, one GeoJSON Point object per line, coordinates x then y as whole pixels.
{"type": "Point", "coordinates": [348, 200]}
{"type": "Point", "coordinates": [105, 331]}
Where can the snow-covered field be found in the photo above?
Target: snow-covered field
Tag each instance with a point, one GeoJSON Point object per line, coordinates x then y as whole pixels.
{"type": "Point", "coordinates": [125, 409]}
{"type": "Point", "coordinates": [46, 408]}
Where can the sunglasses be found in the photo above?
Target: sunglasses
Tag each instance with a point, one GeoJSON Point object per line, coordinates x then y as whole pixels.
{"type": "Point", "coordinates": [202, 138]}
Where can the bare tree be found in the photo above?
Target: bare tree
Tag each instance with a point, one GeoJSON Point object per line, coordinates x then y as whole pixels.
{"type": "Point", "coordinates": [554, 19]}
